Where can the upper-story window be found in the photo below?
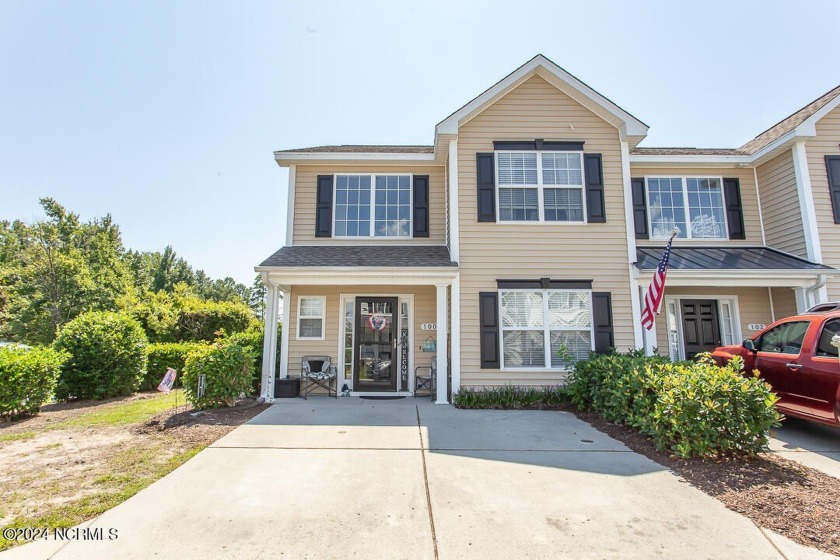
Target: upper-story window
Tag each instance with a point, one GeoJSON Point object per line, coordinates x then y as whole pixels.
{"type": "Point", "coordinates": [694, 205]}
{"type": "Point", "coordinates": [540, 186]}
{"type": "Point", "coordinates": [372, 206]}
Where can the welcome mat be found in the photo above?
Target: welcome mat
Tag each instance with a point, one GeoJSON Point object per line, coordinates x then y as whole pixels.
{"type": "Point", "coordinates": [385, 398]}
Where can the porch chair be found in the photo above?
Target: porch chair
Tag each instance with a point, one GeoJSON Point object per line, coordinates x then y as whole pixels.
{"type": "Point", "coordinates": [318, 371]}
{"type": "Point", "coordinates": [425, 378]}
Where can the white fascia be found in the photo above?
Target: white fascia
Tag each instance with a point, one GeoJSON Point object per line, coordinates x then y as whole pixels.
{"type": "Point", "coordinates": [691, 161]}
{"type": "Point", "coordinates": [784, 278]}
{"type": "Point", "coordinates": [288, 158]}
{"type": "Point", "coordinates": [290, 210]}
{"type": "Point", "coordinates": [349, 276]}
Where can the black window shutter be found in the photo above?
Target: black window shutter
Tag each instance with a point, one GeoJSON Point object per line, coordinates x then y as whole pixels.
{"type": "Point", "coordinates": [603, 323]}
{"type": "Point", "coordinates": [486, 179]}
{"type": "Point", "coordinates": [734, 210]}
{"type": "Point", "coordinates": [488, 316]}
{"type": "Point", "coordinates": [639, 208]}
{"type": "Point", "coordinates": [832, 168]}
{"type": "Point", "coordinates": [596, 211]}
{"type": "Point", "coordinates": [323, 206]}
{"type": "Point", "coordinates": [421, 206]}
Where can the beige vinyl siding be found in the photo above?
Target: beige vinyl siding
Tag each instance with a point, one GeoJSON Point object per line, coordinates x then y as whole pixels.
{"type": "Point", "coordinates": [780, 205]}
{"type": "Point", "coordinates": [753, 307]}
{"type": "Point", "coordinates": [491, 251]}
{"type": "Point", "coordinates": [826, 143]}
{"type": "Point", "coordinates": [306, 178]}
{"type": "Point", "coordinates": [784, 302]}
{"type": "Point", "coordinates": [424, 312]}
{"type": "Point", "coordinates": [752, 223]}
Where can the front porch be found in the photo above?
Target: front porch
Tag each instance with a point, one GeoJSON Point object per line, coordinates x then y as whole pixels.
{"type": "Point", "coordinates": [377, 324]}
{"type": "Point", "coordinates": [717, 296]}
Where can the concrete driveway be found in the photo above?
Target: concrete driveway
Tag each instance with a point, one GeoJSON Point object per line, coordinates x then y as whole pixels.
{"type": "Point", "coordinates": [813, 445]}
{"type": "Point", "coordinates": [353, 478]}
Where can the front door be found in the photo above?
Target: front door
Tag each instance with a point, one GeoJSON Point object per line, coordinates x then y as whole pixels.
{"type": "Point", "coordinates": [376, 344]}
{"type": "Point", "coordinates": [701, 327]}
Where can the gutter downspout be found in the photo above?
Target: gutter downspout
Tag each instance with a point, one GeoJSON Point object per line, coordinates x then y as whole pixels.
{"type": "Point", "coordinates": [818, 285]}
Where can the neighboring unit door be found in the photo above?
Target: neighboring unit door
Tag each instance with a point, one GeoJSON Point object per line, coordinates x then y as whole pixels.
{"type": "Point", "coordinates": [376, 344]}
{"type": "Point", "coordinates": [777, 361]}
{"type": "Point", "coordinates": [822, 375]}
{"type": "Point", "coordinates": [701, 326]}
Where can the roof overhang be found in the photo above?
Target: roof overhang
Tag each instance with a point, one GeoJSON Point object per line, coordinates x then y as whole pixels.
{"type": "Point", "coordinates": [359, 276]}
{"type": "Point", "coordinates": [284, 159]}
{"type": "Point", "coordinates": [630, 128]}
{"type": "Point", "coordinates": [666, 161]}
{"type": "Point", "coordinates": [784, 278]}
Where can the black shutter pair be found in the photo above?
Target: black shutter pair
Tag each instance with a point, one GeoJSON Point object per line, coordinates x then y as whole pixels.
{"type": "Point", "coordinates": [593, 182]}
{"type": "Point", "coordinates": [489, 333]}
{"type": "Point", "coordinates": [324, 206]}
{"type": "Point", "coordinates": [731, 197]}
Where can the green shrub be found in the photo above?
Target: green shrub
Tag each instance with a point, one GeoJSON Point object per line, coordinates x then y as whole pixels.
{"type": "Point", "coordinates": [253, 338]}
{"type": "Point", "coordinates": [510, 397]}
{"type": "Point", "coordinates": [27, 378]}
{"type": "Point", "coordinates": [166, 355]}
{"type": "Point", "coordinates": [202, 320]}
{"type": "Point", "coordinates": [694, 409]}
{"type": "Point", "coordinates": [107, 356]}
{"type": "Point", "coordinates": [228, 368]}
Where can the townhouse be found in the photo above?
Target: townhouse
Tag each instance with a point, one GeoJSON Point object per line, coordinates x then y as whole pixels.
{"type": "Point", "coordinates": [524, 237]}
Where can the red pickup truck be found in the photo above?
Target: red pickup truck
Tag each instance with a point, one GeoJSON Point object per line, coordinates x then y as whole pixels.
{"type": "Point", "coordinates": [796, 357]}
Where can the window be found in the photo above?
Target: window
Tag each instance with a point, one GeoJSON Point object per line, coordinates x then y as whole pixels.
{"type": "Point", "coordinates": [824, 347]}
{"type": "Point", "coordinates": [311, 317]}
{"type": "Point", "coordinates": [784, 339]}
{"type": "Point", "coordinates": [540, 186]}
{"type": "Point", "coordinates": [692, 204]}
{"type": "Point", "coordinates": [545, 328]}
{"type": "Point", "coordinates": [372, 206]}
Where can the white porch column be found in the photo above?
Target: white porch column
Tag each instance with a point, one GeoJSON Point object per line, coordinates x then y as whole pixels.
{"type": "Point", "coordinates": [803, 299]}
{"type": "Point", "coordinates": [284, 336]}
{"type": "Point", "coordinates": [269, 342]}
{"type": "Point", "coordinates": [455, 336]}
{"type": "Point", "coordinates": [442, 373]}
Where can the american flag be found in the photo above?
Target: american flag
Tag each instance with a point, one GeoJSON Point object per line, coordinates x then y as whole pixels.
{"type": "Point", "coordinates": [168, 381]}
{"type": "Point", "coordinates": [653, 297]}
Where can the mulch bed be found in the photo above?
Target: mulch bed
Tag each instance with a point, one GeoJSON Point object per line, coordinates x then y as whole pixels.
{"type": "Point", "coordinates": [201, 427]}
{"type": "Point", "coordinates": [796, 501]}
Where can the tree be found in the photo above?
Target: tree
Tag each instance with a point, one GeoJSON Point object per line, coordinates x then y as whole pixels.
{"type": "Point", "coordinates": [256, 297]}
{"type": "Point", "coordinates": [55, 269]}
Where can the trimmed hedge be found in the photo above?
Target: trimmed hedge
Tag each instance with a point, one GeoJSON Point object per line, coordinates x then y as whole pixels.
{"type": "Point", "coordinates": [227, 367]}
{"type": "Point", "coordinates": [27, 379]}
{"type": "Point", "coordinates": [202, 320]}
{"type": "Point", "coordinates": [511, 397]}
{"type": "Point", "coordinates": [253, 338]}
{"type": "Point", "coordinates": [166, 355]}
{"type": "Point", "coordinates": [107, 356]}
{"type": "Point", "coordinates": [694, 409]}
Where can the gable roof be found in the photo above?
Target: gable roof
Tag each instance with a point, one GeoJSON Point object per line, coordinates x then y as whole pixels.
{"type": "Point", "coordinates": [631, 128]}
{"type": "Point", "coordinates": [790, 123]}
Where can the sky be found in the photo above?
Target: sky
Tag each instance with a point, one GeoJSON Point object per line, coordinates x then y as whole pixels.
{"type": "Point", "coordinates": [166, 114]}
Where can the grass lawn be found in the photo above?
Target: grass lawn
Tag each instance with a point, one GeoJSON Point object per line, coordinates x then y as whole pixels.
{"type": "Point", "coordinates": [74, 461]}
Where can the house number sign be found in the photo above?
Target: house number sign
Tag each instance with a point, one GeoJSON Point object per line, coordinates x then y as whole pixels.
{"type": "Point", "coordinates": [428, 326]}
{"type": "Point", "coordinates": [756, 326]}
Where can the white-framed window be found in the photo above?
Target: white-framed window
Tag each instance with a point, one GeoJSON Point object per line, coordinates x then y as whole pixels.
{"type": "Point", "coordinates": [545, 329]}
{"type": "Point", "coordinates": [540, 186]}
{"type": "Point", "coordinates": [368, 205]}
{"type": "Point", "coordinates": [694, 205]}
{"type": "Point", "coordinates": [311, 312]}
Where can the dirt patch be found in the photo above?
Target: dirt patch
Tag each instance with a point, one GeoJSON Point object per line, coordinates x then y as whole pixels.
{"type": "Point", "coordinates": [796, 501]}
{"type": "Point", "coordinates": [57, 471]}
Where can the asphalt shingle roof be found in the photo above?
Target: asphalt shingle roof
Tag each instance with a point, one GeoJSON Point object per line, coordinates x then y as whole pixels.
{"type": "Point", "coordinates": [723, 258]}
{"type": "Point", "coordinates": [361, 256]}
{"type": "Point", "coordinates": [687, 152]}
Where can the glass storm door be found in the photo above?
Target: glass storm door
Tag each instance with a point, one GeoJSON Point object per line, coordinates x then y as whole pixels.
{"type": "Point", "coordinates": [376, 344]}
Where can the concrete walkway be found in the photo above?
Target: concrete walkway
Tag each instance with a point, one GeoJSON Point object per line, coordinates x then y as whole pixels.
{"type": "Point", "coordinates": [353, 478]}
{"type": "Point", "coordinates": [811, 444]}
